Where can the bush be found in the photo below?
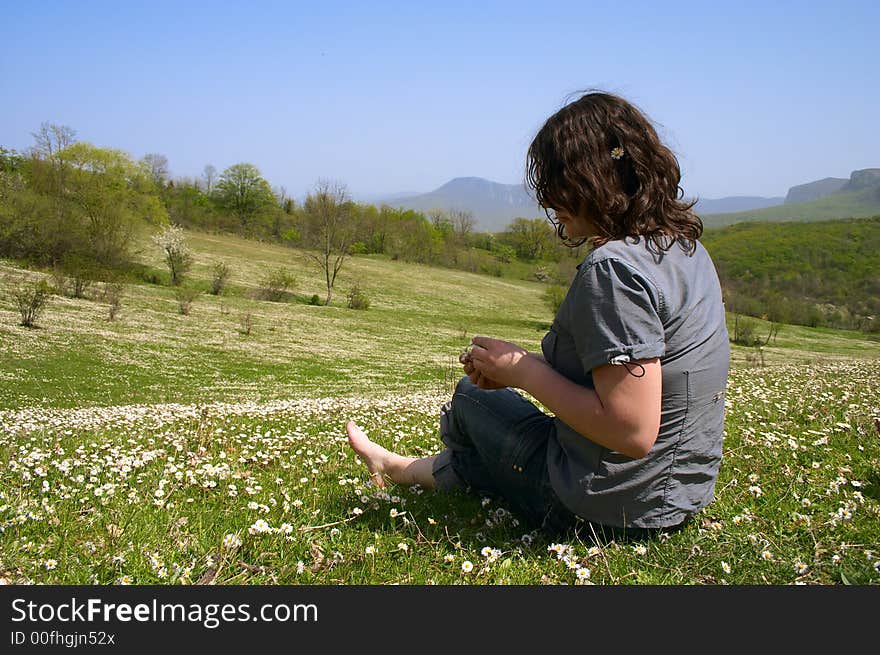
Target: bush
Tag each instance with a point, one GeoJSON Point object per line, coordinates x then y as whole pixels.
{"type": "Point", "coordinates": [113, 297]}
{"type": "Point", "coordinates": [220, 276]}
{"type": "Point", "coordinates": [745, 331]}
{"type": "Point", "coordinates": [31, 299]}
{"type": "Point", "coordinates": [505, 253]}
{"type": "Point", "coordinates": [245, 323]}
{"type": "Point", "coordinates": [315, 300]}
{"type": "Point", "coordinates": [357, 299]}
{"type": "Point", "coordinates": [177, 255]}
{"type": "Point", "coordinates": [553, 296]}
{"type": "Point", "coordinates": [276, 286]}
{"type": "Point", "coordinates": [185, 298]}
{"type": "Point", "coordinates": [81, 271]}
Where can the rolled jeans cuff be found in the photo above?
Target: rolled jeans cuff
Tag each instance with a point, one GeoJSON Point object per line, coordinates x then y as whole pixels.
{"type": "Point", "coordinates": [445, 477]}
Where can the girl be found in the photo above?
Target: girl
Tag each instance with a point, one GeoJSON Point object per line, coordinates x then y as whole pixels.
{"type": "Point", "coordinates": [635, 364]}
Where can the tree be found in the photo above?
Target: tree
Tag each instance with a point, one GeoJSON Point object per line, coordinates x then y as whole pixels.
{"type": "Point", "coordinates": [209, 175]}
{"type": "Point", "coordinates": [52, 138]}
{"type": "Point", "coordinates": [158, 168]}
{"type": "Point", "coordinates": [531, 238]}
{"type": "Point", "coordinates": [76, 202]}
{"type": "Point", "coordinates": [244, 192]}
{"type": "Point", "coordinates": [328, 215]}
{"type": "Point", "coordinates": [177, 255]}
{"type": "Point", "coordinates": [111, 196]}
{"type": "Point", "coordinates": [10, 160]}
{"type": "Point", "coordinates": [463, 223]}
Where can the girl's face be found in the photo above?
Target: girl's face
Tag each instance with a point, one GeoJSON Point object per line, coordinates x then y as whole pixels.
{"type": "Point", "coordinates": [576, 227]}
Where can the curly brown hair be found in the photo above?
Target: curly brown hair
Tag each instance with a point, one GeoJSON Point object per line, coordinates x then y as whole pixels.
{"type": "Point", "coordinates": [600, 157]}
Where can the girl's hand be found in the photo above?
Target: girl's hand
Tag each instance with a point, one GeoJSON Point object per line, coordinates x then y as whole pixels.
{"type": "Point", "coordinates": [505, 364]}
{"type": "Point", "coordinates": [479, 380]}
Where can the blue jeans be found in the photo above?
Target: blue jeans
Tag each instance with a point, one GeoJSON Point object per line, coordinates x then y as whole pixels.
{"type": "Point", "coordinates": [496, 443]}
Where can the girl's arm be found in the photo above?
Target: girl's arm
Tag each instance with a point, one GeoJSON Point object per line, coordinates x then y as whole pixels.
{"type": "Point", "coordinates": [622, 413]}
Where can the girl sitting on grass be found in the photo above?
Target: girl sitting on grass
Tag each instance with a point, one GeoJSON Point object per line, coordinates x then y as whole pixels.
{"type": "Point", "coordinates": [635, 364]}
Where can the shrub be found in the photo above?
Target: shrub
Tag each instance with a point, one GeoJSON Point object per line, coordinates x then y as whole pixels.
{"type": "Point", "coordinates": [553, 296]}
{"type": "Point", "coordinates": [357, 299]}
{"type": "Point", "coordinates": [315, 300]}
{"type": "Point", "coordinates": [245, 324]}
{"type": "Point", "coordinates": [59, 281]}
{"type": "Point", "coordinates": [81, 271]}
{"type": "Point", "coordinates": [177, 255]}
{"type": "Point", "coordinates": [185, 298]}
{"type": "Point", "coordinates": [220, 276]}
{"type": "Point", "coordinates": [505, 253]}
{"type": "Point", "coordinates": [74, 276]}
{"type": "Point", "coordinates": [276, 285]}
{"type": "Point", "coordinates": [31, 299]}
{"type": "Point", "coordinates": [744, 331]}
{"type": "Point", "coordinates": [113, 296]}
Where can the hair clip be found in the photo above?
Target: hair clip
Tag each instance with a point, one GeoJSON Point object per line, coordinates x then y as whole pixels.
{"type": "Point", "coordinates": [617, 153]}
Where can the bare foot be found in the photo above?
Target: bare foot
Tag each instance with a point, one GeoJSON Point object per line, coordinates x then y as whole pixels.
{"type": "Point", "coordinates": [373, 455]}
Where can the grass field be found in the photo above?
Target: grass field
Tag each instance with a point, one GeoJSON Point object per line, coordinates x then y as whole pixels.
{"type": "Point", "coordinates": [169, 448]}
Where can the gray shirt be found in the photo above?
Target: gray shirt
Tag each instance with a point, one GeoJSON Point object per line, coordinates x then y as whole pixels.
{"type": "Point", "coordinates": [633, 301]}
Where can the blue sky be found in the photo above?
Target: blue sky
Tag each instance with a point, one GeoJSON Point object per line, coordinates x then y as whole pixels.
{"type": "Point", "coordinates": [753, 97]}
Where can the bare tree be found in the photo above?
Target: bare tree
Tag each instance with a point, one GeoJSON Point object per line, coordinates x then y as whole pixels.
{"type": "Point", "coordinates": [158, 165]}
{"type": "Point", "coordinates": [209, 175]}
{"type": "Point", "coordinates": [51, 138]}
{"type": "Point", "coordinates": [462, 222]}
{"type": "Point", "coordinates": [329, 222]}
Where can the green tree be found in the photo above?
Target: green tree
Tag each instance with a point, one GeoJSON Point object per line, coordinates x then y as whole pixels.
{"type": "Point", "coordinates": [531, 238]}
{"type": "Point", "coordinates": [74, 201]}
{"type": "Point", "coordinates": [243, 192]}
{"type": "Point", "coordinates": [111, 197]}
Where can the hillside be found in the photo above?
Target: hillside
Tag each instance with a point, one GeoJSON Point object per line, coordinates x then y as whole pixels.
{"type": "Point", "coordinates": [858, 198]}
{"type": "Point", "coordinates": [814, 273]}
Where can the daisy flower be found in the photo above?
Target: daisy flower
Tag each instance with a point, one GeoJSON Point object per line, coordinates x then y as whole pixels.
{"type": "Point", "coordinates": [231, 541]}
{"type": "Point", "coordinates": [467, 566]}
{"type": "Point", "coordinates": [583, 573]}
{"type": "Point", "coordinates": [725, 567]}
{"type": "Point", "coordinates": [640, 550]}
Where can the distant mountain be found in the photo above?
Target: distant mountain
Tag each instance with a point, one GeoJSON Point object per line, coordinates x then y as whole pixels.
{"type": "Point", "coordinates": [734, 204]}
{"type": "Point", "coordinates": [494, 205]}
{"type": "Point", "coordinates": [858, 197]}
{"type": "Point", "coordinates": [815, 190]}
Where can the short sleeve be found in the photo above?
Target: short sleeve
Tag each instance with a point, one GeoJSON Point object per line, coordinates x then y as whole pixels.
{"type": "Point", "coordinates": [615, 312]}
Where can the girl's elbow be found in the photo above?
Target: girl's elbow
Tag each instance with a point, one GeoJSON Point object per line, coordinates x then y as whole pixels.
{"type": "Point", "coordinates": [640, 445]}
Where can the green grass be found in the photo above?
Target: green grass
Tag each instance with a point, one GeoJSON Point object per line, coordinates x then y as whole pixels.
{"type": "Point", "coordinates": [134, 447]}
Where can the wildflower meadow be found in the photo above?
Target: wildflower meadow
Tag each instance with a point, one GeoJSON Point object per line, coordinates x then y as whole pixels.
{"type": "Point", "coordinates": [163, 448]}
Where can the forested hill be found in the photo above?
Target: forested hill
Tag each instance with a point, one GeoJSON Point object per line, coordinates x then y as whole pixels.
{"type": "Point", "coordinates": [817, 273]}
